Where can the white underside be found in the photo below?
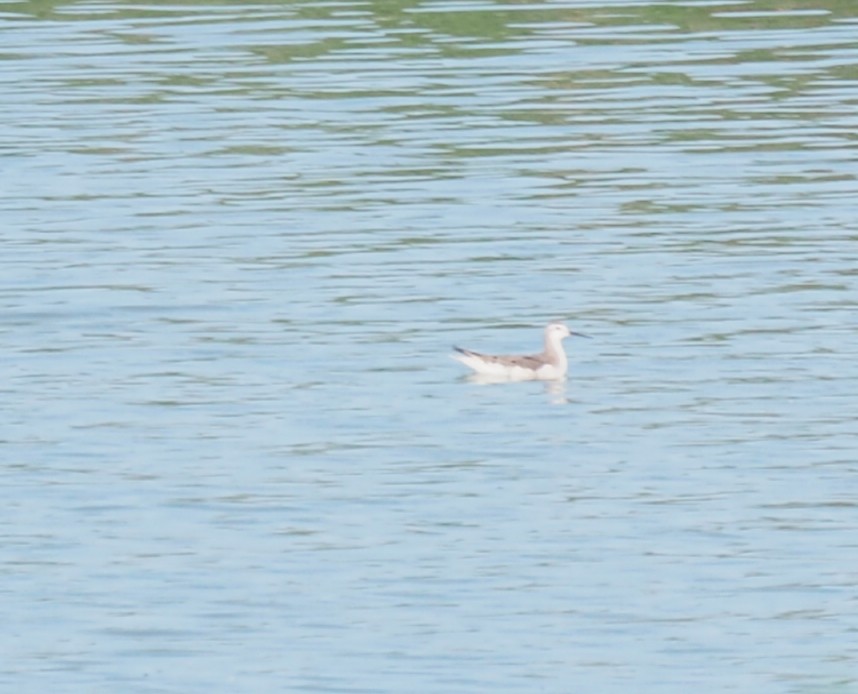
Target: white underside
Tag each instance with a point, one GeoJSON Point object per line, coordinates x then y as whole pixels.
{"type": "Point", "coordinates": [546, 372]}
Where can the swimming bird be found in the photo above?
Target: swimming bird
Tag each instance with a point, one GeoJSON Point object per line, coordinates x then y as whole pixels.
{"type": "Point", "coordinates": [550, 364]}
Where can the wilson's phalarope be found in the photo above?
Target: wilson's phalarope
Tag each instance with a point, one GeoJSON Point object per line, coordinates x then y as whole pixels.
{"type": "Point", "coordinates": [550, 364]}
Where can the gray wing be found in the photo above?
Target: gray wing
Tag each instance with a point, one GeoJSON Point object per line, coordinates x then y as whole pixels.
{"type": "Point", "coordinates": [525, 361]}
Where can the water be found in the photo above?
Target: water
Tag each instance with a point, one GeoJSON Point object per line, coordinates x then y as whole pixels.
{"type": "Point", "coordinates": [238, 240]}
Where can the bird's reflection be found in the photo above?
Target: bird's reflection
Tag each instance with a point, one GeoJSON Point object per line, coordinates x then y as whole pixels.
{"type": "Point", "coordinates": [555, 389]}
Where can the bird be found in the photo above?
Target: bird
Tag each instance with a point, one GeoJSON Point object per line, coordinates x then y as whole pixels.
{"type": "Point", "coordinates": [550, 364]}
